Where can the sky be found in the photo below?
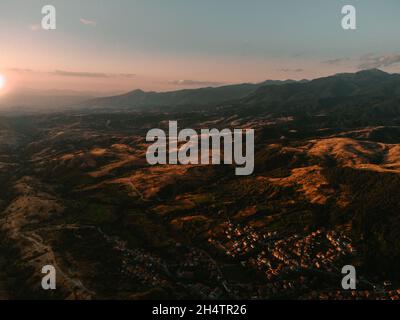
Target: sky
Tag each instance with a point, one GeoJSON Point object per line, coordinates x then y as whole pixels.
{"type": "Point", "coordinates": [107, 46]}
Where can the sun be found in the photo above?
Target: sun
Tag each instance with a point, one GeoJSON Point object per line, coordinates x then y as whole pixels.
{"type": "Point", "coordinates": [2, 82]}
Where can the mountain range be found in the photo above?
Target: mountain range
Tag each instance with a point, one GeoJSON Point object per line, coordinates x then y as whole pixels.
{"type": "Point", "coordinates": [367, 86]}
{"type": "Point", "coordinates": [187, 97]}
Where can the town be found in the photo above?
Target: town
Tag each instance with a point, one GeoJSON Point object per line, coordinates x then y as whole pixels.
{"type": "Point", "coordinates": [293, 265]}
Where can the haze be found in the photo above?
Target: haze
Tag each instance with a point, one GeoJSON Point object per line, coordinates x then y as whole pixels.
{"type": "Point", "coordinates": [102, 47]}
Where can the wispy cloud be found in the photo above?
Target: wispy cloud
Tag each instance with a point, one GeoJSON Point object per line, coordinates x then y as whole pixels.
{"type": "Point", "coordinates": [126, 75]}
{"type": "Point", "coordinates": [19, 70]}
{"type": "Point", "coordinates": [195, 83]}
{"type": "Point", "coordinates": [88, 22]}
{"type": "Point", "coordinates": [366, 61]}
{"type": "Point", "coordinates": [337, 61]}
{"type": "Point", "coordinates": [298, 70]}
{"type": "Point", "coordinates": [77, 74]}
{"type": "Point", "coordinates": [82, 74]}
{"type": "Point", "coordinates": [64, 73]}
{"type": "Point", "coordinates": [371, 61]}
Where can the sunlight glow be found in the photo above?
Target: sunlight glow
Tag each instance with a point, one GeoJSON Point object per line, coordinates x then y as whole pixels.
{"type": "Point", "coordinates": [2, 82]}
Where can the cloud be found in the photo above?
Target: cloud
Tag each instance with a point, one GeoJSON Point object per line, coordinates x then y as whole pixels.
{"type": "Point", "coordinates": [196, 83]}
{"type": "Point", "coordinates": [366, 61]}
{"type": "Point", "coordinates": [88, 22]}
{"type": "Point", "coordinates": [77, 74]}
{"type": "Point", "coordinates": [335, 62]}
{"type": "Point", "coordinates": [64, 73]}
{"type": "Point", "coordinates": [126, 75]}
{"type": "Point", "coordinates": [19, 70]}
{"type": "Point", "coordinates": [373, 62]}
{"type": "Point", "coordinates": [81, 74]}
{"type": "Point", "coordinates": [298, 70]}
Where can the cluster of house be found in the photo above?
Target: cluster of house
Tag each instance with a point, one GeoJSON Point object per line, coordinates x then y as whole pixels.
{"type": "Point", "coordinates": [319, 250]}
{"type": "Point", "coordinates": [195, 267]}
{"type": "Point", "coordinates": [283, 260]}
{"type": "Point", "coordinates": [147, 268]}
{"type": "Point", "coordinates": [293, 266]}
{"type": "Point", "coordinates": [144, 267]}
{"type": "Point", "coordinates": [206, 292]}
{"type": "Point", "coordinates": [241, 240]}
{"type": "Point", "coordinates": [275, 254]}
{"type": "Point", "coordinates": [355, 295]}
{"type": "Point", "coordinates": [197, 262]}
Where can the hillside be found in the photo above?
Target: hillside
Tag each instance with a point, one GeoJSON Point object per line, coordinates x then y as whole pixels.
{"type": "Point", "coordinates": [81, 196]}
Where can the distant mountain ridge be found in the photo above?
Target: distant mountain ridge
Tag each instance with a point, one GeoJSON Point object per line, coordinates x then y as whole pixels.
{"type": "Point", "coordinates": [186, 97]}
{"type": "Point", "coordinates": [337, 90]}
{"type": "Point", "coordinates": [364, 97]}
{"type": "Point", "coordinates": [363, 83]}
{"type": "Point", "coordinates": [367, 82]}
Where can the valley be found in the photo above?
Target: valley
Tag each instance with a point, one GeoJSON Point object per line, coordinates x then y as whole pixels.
{"type": "Point", "coordinates": [78, 193]}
